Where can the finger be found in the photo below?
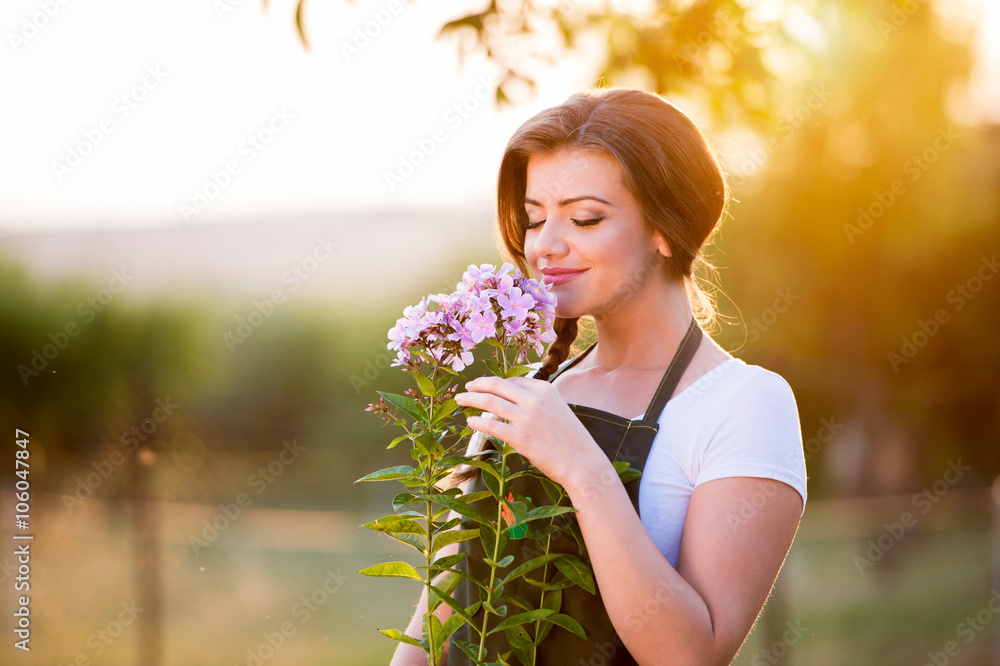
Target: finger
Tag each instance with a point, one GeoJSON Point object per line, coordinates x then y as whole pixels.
{"type": "Point", "coordinates": [499, 429]}
{"type": "Point", "coordinates": [508, 389]}
{"type": "Point", "coordinates": [487, 402]}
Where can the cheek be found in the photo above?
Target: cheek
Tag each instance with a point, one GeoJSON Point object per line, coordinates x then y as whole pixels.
{"type": "Point", "coordinates": [626, 256]}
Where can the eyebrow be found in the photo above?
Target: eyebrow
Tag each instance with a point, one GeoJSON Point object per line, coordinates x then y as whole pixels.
{"type": "Point", "coordinates": [566, 202]}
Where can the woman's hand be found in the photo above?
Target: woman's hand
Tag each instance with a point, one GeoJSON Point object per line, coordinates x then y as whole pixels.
{"type": "Point", "coordinates": [539, 425]}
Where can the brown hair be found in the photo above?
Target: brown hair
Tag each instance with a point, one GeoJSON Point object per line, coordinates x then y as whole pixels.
{"type": "Point", "coordinates": [669, 167]}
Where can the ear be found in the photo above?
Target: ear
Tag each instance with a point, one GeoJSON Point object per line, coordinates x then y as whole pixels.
{"type": "Point", "coordinates": [661, 245]}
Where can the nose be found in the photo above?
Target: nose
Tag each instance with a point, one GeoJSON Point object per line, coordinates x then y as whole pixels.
{"type": "Point", "coordinates": [548, 240]}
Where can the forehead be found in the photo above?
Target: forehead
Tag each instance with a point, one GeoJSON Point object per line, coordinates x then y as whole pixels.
{"type": "Point", "coordinates": [571, 172]}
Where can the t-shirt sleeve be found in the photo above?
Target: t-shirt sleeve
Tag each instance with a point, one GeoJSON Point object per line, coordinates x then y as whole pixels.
{"type": "Point", "coordinates": [759, 436]}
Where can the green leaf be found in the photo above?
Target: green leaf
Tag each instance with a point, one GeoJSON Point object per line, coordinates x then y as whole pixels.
{"type": "Point", "coordinates": [547, 512]}
{"type": "Point", "coordinates": [560, 582]}
{"type": "Point", "coordinates": [567, 623]}
{"type": "Point", "coordinates": [389, 474]}
{"type": "Point", "coordinates": [500, 611]}
{"type": "Point", "coordinates": [396, 441]}
{"type": "Point", "coordinates": [392, 570]}
{"type": "Point", "coordinates": [494, 368]}
{"type": "Point", "coordinates": [492, 483]}
{"type": "Point", "coordinates": [459, 507]}
{"type": "Point", "coordinates": [397, 524]}
{"type": "Point", "coordinates": [553, 490]}
{"type": "Point", "coordinates": [442, 412]}
{"type": "Point", "coordinates": [448, 561]}
{"type": "Point", "coordinates": [407, 404]}
{"type": "Point", "coordinates": [577, 571]}
{"type": "Point", "coordinates": [397, 635]}
{"type": "Point", "coordinates": [445, 527]}
{"type": "Point", "coordinates": [402, 499]}
{"type": "Point", "coordinates": [518, 601]}
{"type": "Point", "coordinates": [410, 540]}
{"type": "Point", "coordinates": [502, 564]}
{"type": "Point", "coordinates": [626, 473]}
{"type": "Point", "coordinates": [425, 385]}
{"type": "Point", "coordinates": [471, 498]}
{"type": "Point", "coordinates": [456, 607]}
{"type": "Point", "coordinates": [520, 643]}
{"type": "Point", "coordinates": [530, 565]}
{"type": "Point", "coordinates": [443, 590]}
{"type": "Point", "coordinates": [488, 538]}
{"type": "Point", "coordinates": [431, 626]}
{"type": "Point", "coordinates": [451, 625]}
{"type": "Point", "coordinates": [519, 370]}
{"type": "Point", "coordinates": [521, 618]}
{"type": "Point", "coordinates": [487, 467]}
{"type": "Point", "coordinates": [552, 601]}
{"type": "Point", "coordinates": [424, 444]}
{"type": "Point", "coordinates": [471, 650]}
{"type": "Point", "coordinates": [454, 536]}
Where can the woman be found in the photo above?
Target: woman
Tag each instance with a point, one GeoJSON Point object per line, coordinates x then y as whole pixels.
{"type": "Point", "coordinates": [611, 197]}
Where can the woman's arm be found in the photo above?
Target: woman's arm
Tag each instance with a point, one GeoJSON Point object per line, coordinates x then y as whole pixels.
{"type": "Point", "coordinates": [701, 612]}
{"type": "Point", "coordinates": [698, 613]}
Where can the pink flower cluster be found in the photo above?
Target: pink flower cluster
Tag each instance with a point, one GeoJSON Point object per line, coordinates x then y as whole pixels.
{"type": "Point", "coordinates": [500, 304]}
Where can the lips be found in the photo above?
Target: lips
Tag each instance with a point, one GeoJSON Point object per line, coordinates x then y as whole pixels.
{"type": "Point", "coordinates": [558, 274]}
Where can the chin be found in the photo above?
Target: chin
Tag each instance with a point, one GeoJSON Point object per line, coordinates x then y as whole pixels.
{"type": "Point", "coordinates": [570, 311]}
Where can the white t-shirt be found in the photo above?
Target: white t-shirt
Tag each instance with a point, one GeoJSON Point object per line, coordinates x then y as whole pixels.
{"type": "Point", "coordinates": [736, 420]}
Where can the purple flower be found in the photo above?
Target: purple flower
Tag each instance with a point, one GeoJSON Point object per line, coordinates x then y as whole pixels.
{"type": "Point", "coordinates": [464, 336]}
{"type": "Point", "coordinates": [515, 304]}
{"type": "Point", "coordinates": [397, 337]}
{"type": "Point", "coordinates": [482, 325]}
{"type": "Point", "coordinates": [461, 360]}
{"type": "Point", "coordinates": [493, 303]}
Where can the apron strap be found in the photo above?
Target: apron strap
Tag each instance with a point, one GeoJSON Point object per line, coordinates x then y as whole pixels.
{"type": "Point", "coordinates": [672, 377]}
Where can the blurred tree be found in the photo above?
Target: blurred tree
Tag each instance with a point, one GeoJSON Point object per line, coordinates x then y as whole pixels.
{"type": "Point", "coordinates": [873, 206]}
{"type": "Point", "coordinates": [874, 209]}
{"type": "Point", "coordinates": [723, 52]}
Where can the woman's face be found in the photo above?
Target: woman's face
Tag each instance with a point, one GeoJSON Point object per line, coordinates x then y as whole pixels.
{"type": "Point", "coordinates": [585, 232]}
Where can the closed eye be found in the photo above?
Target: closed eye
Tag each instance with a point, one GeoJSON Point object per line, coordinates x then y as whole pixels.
{"type": "Point", "coordinates": [579, 223]}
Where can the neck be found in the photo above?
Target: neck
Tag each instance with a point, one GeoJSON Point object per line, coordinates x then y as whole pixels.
{"type": "Point", "coordinates": [645, 329]}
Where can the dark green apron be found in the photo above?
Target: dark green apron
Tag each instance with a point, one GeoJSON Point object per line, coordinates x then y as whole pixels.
{"type": "Point", "coordinates": [620, 439]}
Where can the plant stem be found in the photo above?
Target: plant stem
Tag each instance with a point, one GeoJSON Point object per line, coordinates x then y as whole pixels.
{"type": "Point", "coordinates": [496, 552]}
{"type": "Point", "coordinates": [428, 485]}
{"type": "Point", "coordinates": [429, 555]}
{"type": "Point", "coordinates": [541, 599]}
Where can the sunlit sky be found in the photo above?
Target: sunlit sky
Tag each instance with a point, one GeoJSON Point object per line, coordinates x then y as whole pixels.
{"type": "Point", "coordinates": [124, 114]}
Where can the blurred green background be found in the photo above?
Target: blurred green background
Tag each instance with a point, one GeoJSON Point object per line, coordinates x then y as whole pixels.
{"type": "Point", "coordinates": [193, 445]}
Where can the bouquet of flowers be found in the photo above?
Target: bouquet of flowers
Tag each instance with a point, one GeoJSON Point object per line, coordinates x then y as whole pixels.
{"type": "Point", "coordinates": [435, 341]}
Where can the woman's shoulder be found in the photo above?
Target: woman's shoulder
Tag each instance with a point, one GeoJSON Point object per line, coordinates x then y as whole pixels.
{"type": "Point", "coordinates": [735, 379]}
